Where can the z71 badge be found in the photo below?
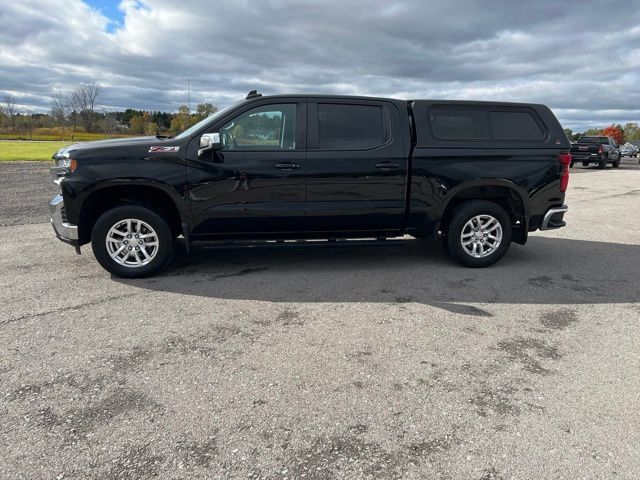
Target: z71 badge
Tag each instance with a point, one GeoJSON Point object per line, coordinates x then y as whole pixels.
{"type": "Point", "coordinates": [163, 149]}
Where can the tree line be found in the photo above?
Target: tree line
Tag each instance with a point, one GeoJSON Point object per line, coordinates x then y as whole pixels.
{"type": "Point", "coordinates": [80, 111]}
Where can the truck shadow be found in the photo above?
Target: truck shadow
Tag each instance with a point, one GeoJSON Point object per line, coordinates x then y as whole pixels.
{"type": "Point", "coordinates": [545, 271]}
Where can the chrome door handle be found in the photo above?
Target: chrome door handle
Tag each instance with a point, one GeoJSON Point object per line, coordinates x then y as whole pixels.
{"type": "Point", "coordinates": [286, 166]}
{"type": "Point", "coordinates": [387, 165]}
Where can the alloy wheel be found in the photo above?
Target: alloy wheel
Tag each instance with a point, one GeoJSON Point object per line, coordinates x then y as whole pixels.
{"type": "Point", "coordinates": [481, 236]}
{"type": "Point", "coordinates": [132, 243]}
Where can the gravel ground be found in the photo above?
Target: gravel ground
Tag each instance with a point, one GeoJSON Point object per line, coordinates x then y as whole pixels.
{"type": "Point", "coordinates": [380, 362]}
{"type": "Point", "coordinates": [26, 190]}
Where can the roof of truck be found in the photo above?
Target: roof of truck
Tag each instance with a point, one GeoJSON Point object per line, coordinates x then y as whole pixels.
{"type": "Point", "coordinates": [388, 99]}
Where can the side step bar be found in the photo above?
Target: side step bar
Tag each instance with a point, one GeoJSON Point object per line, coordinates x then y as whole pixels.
{"type": "Point", "coordinates": [330, 243]}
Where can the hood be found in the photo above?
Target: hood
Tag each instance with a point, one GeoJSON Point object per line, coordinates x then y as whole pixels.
{"type": "Point", "coordinates": [114, 142]}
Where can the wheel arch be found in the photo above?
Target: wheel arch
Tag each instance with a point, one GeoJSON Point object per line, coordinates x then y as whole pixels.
{"type": "Point", "coordinates": [502, 192]}
{"type": "Point", "coordinates": [106, 197]}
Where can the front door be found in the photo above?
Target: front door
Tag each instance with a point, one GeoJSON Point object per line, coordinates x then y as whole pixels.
{"type": "Point", "coordinates": [255, 184]}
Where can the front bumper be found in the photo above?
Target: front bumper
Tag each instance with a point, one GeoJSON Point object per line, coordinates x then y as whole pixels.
{"type": "Point", "coordinates": [67, 232]}
{"type": "Point", "coordinates": [554, 218]}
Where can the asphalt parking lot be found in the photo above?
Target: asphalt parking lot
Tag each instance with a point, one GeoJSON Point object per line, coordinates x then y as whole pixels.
{"type": "Point", "coordinates": [374, 362]}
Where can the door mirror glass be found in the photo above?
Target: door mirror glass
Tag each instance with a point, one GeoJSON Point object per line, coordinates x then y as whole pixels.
{"type": "Point", "coordinates": [209, 142]}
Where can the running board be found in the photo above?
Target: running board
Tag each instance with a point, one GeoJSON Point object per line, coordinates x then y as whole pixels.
{"type": "Point", "coordinates": [330, 243]}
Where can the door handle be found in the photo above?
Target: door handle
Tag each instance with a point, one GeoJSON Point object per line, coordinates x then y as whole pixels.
{"type": "Point", "coordinates": [286, 166]}
{"type": "Point", "coordinates": [387, 166]}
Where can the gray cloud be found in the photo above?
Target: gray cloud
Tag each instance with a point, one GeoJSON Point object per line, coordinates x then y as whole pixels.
{"type": "Point", "coordinates": [581, 59]}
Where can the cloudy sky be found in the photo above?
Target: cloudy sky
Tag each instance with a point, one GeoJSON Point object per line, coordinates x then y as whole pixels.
{"type": "Point", "coordinates": [580, 58]}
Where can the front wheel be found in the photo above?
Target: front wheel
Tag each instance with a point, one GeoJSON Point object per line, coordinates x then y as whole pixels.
{"type": "Point", "coordinates": [616, 164]}
{"type": "Point", "coordinates": [479, 234]}
{"type": "Point", "coordinates": [132, 241]}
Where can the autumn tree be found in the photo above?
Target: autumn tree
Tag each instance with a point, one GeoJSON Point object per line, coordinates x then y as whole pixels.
{"type": "Point", "coordinates": [616, 132]}
{"type": "Point", "coordinates": [181, 121]}
{"type": "Point", "coordinates": [203, 110]}
{"type": "Point", "coordinates": [136, 124]}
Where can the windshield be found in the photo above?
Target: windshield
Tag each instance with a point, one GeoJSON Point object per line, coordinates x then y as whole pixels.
{"type": "Point", "coordinates": [594, 140]}
{"type": "Point", "coordinates": [205, 121]}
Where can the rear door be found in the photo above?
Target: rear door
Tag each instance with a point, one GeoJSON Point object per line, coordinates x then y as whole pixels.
{"type": "Point", "coordinates": [356, 166]}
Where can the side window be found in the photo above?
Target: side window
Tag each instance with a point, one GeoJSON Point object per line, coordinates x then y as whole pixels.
{"type": "Point", "coordinates": [268, 127]}
{"type": "Point", "coordinates": [459, 124]}
{"type": "Point", "coordinates": [350, 127]}
{"type": "Point", "coordinates": [514, 126]}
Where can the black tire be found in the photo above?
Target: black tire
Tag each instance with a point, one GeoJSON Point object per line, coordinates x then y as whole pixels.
{"type": "Point", "coordinates": [603, 163]}
{"type": "Point", "coordinates": [165, 239]}
{"type": "Point", "coordinates": [616, 164]}
{"type": "Point", "coordinates": [463, 214]}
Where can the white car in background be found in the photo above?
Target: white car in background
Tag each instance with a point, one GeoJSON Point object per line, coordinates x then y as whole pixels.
{"type": "Point", "coordinates": [629, 150]}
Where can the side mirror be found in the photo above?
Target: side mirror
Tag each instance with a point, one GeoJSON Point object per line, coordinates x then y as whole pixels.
{"type": "Point", "coordinates": [209, 142]}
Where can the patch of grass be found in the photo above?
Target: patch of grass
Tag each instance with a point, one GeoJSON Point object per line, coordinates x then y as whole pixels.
{"type": "Point", "coordinates": [53, 136]}
{"type": "Point", "coordinates": [29, 150]}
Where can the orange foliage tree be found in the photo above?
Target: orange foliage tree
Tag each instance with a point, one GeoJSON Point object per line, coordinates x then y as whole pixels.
{"type": "Point", "coordinates": [616, 132]}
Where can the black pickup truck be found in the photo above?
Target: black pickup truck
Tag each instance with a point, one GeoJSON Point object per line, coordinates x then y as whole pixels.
{"type": "Point", "coordinates": [475, 175]}
{"type": "Point", "coordinates": [600, 150]}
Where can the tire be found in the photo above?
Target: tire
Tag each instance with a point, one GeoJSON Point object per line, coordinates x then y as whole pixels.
{"type": "Point", "coordinates": [109, 236]}
{"type": "Point", "coordinates": [462, 222]}
{"type": "Point", "coordinates": [616, 164]}
{"type": "Point", "coordinates": [603, 163]}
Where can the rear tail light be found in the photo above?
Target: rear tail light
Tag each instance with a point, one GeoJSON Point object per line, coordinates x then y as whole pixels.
{"type": "Point", "coordinates": [600, 149]}
{"type": "Point", "coordinates": [565, 161]}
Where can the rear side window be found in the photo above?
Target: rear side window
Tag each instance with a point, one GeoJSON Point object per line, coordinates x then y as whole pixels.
{"type": "Point", "coordinates": [350, 127]}
{"type": "Point", "coordinates": [514, 126]}
{"type": "Point", "coordinates": [458, 124]}
{"type": "Point", "coordinates": [482, 124]}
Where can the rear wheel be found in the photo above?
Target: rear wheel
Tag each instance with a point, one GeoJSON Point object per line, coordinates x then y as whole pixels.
{"type": "Point", "coordinates": [132, 241]}
{"type": "Point", "coordinates": [616, 164]}
{"type": "Point", "coordinates": [603, 162]}
{"type": "Point", "coordinates": [479, 234]}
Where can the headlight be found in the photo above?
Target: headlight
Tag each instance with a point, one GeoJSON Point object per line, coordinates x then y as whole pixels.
{"type": "Point", "coordinates": [62, 165]}
{"type": "Point", "coordinates": [61, 159]}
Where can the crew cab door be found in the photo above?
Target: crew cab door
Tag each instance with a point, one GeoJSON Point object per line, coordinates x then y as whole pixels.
{"type": "Point", "coordinates": [357, 165]}
{"type": "Point", "coordinates": [255, 183]}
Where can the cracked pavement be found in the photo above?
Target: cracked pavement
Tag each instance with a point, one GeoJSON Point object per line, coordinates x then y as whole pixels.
{"type": "Point", "coordinates": [341, 362]}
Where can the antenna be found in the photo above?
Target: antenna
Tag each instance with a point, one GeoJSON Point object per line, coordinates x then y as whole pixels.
{"type": "Point", "coordinates": [188, 96]}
